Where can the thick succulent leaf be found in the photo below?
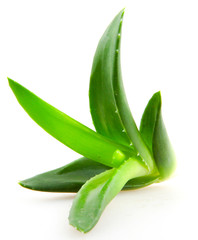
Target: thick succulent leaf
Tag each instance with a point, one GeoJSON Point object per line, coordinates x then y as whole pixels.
{"type": "Point", "coordinates": [155, 135]}
{"type": "Point", "coordinates": [103, 105]}
{"type": "Point", "coordinates": [108, 104]}
{"type": "Point", "coordinates": [141, 182]}
{"type": "Point", "coordinates": [68, 131]}
{"type": "Point", "coordinates": [72, 176]}
{"type": "Point", "coordinates": [68, 178]}
{"type": "Point", "coordinates": [94, 196]}
{"type": "Point", "coordinates": [148, 120]}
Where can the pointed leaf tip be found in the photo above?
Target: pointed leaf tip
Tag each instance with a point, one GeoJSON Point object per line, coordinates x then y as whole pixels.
{"type": "Point", "coordinates": [154, 133]}
{"type": "Point", "coordinates": [9, 80]}
{"type": "Point", "coordinates": [109, 108]}
{"type": "Point", "coordinates": [67, 130]}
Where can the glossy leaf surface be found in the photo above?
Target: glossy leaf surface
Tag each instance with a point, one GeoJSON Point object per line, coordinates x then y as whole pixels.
{"type": "Point", "coordinates": [68, 131]}
{"type": "Point", "coordinates": [103, 106]}
{"type": "Point", "coordinates": [154, 133]}
{"type": "Point", "coordinates": [72, 176]}
{"type": "Point", "coordinates": [108, 104]}
{"type": "Point", "coordinates": [94, 196]}
{"type": "Point", "coordinates": [68, 178]}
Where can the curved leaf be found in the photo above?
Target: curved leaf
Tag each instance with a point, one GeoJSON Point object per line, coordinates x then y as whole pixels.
{"type": "Point", "coordinates": [72, 176]}
{"type": "Point", "coordinates": [94, 196]}
{"type": "Point", "coordinates": [103, 106]}
{"type": "Point", "coordinates": [155, 135]}
{"type": "Point", "coordinates": [68, 131]}
{"type": "Point", "coordinates": [141, 182]}
{"type": "Point", "coordinates": [148, 121]}
{"type": "Point", "coordinates": [68, 178]}
{"type": "Point", "coordinates": [108, 104]}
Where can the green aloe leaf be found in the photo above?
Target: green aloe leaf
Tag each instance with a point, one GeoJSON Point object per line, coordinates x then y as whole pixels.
{"type": "Point", "coordinates": [103, 105]}
{"type": "Point", "coordinates": [148, 121]}
{"type": "Point", "coordinates": [68, 178]}
{"type": "Point", "coordinates": [154, 133]}
{"type": "Point", "coordinates": [108, 104]}
{"type": "Point", "coordinates": [68, 131]}
{"type": "Point", "coordinates": [94, 196]}
{"type": "Point", "coordinates": [141, 182]}
{"type": "Point", "coordinates": [72, 176]}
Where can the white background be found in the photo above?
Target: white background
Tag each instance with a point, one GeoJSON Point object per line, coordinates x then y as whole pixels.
{"type": "Point", "coordinates": [48, 47]}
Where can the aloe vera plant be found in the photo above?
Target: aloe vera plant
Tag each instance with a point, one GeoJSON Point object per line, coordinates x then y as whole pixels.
{"type": "Point", "coordinates": [117, 156]}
